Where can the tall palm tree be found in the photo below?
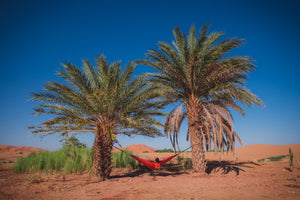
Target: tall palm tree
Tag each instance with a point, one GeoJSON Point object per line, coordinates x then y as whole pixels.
{"type": "Point", "coordinates": [196, 72]}
{"type": "Point", "coordinates": [102, 99]}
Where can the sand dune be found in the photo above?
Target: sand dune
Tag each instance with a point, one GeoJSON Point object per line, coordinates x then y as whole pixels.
{"type": "Point", "coordinates": [259, 151]}
{"type": "Point", "coordinates": [8, 153]}
{"type": "Point", "coordinates": [139, 148]}
{"type": "Point", "coordinates": [7, 148]}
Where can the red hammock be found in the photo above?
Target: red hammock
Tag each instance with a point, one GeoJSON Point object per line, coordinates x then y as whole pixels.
{"type": "Point", "coordinates": [152, 164]}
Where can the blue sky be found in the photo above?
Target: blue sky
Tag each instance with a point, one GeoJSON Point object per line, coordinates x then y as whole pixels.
{"type": "Point", "coordinates": [37, 36]}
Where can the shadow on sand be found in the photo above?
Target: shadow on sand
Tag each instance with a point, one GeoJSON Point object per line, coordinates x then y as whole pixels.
{"type": "Point", "coordinates": [224, 167]}
{"type": "Point", "coordinates": [165, 171]}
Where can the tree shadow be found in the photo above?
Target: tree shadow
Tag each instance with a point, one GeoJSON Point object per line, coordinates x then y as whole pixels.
{"type": "Point", "coordinates": [166, 170]}
{"type": "Point", "coordinates": [226, 167]}
{"type": "Point", "coordinates": [172, 169]}
{"type": "Point", "coordinates": [129, 174]}
{"type": "Point", "coordinates": [288, 169]}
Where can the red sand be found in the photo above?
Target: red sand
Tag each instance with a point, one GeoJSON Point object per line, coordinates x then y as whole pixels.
{"type": "Point", "coordinates": [242, 179]}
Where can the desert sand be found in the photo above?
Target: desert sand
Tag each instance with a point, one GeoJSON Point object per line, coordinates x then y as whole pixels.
{"type": "Point", "coordinates": [233, 178]}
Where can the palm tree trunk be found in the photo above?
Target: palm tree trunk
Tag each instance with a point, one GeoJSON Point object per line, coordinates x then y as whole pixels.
{"type": "Point", "coordinates": [102, 155]}
{"type": "Point", "coordinates": [196, 135]}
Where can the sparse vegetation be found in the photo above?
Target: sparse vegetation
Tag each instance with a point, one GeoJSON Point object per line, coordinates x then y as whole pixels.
{"type": "Point", "coordinates": [291, 159]}
{"type": "Point", "coordinates": [10, 161]}
{"type": "Point", "coordinates": [34, 178]}
{"type": "Point", "coordinates": [277, 158]}
{"type": "Point", "coordinates": [164, 151]}
{"type": "Point", "coordinates": [145, 151]}
{"type": "Point", "coordinates": [185, 162]}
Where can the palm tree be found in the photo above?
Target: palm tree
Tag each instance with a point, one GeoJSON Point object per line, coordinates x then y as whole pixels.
{"type": "Point", "coordinates": [196, 72]}
{"type": "Point", "coordinates": [102, 99]}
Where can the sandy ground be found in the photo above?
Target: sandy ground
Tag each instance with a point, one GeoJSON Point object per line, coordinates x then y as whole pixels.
{"type": "Point", "coordinates": [242, 178]}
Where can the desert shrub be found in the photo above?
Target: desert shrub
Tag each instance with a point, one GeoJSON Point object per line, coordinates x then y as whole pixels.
{"type": "Point", "coordinates": [277, 158]}
{"type": "Point", "coordinates": [122, 160]}
{"type": "Point", "coordinates": [291, 158]}
{"type": "Point", "coordinates": [185, 162]}
{"type": "Point", "coordinates": [145, 151]}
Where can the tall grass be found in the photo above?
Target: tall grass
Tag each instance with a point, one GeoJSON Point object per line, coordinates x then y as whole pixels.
{"type": "Point", "coordinates": [67, 160]}
{"type": "Point", "coordinates": [123, 160]}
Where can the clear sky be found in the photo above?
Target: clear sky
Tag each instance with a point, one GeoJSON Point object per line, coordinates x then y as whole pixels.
{"type": "Point", "coordinates": [37, 36]}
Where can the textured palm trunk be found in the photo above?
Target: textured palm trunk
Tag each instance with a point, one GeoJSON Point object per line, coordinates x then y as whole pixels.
{"type": "Point", "coordinates": [102, 155]}
{"type": "Point", "coordinates": [196, 137]}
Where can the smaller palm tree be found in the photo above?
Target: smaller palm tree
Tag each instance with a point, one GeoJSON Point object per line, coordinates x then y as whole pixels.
{"type": "Point", "coordinates": [101, 99]}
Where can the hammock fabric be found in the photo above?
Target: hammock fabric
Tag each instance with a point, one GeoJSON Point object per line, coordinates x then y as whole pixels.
{"type": "Point", "coordinates": [152, 164]}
